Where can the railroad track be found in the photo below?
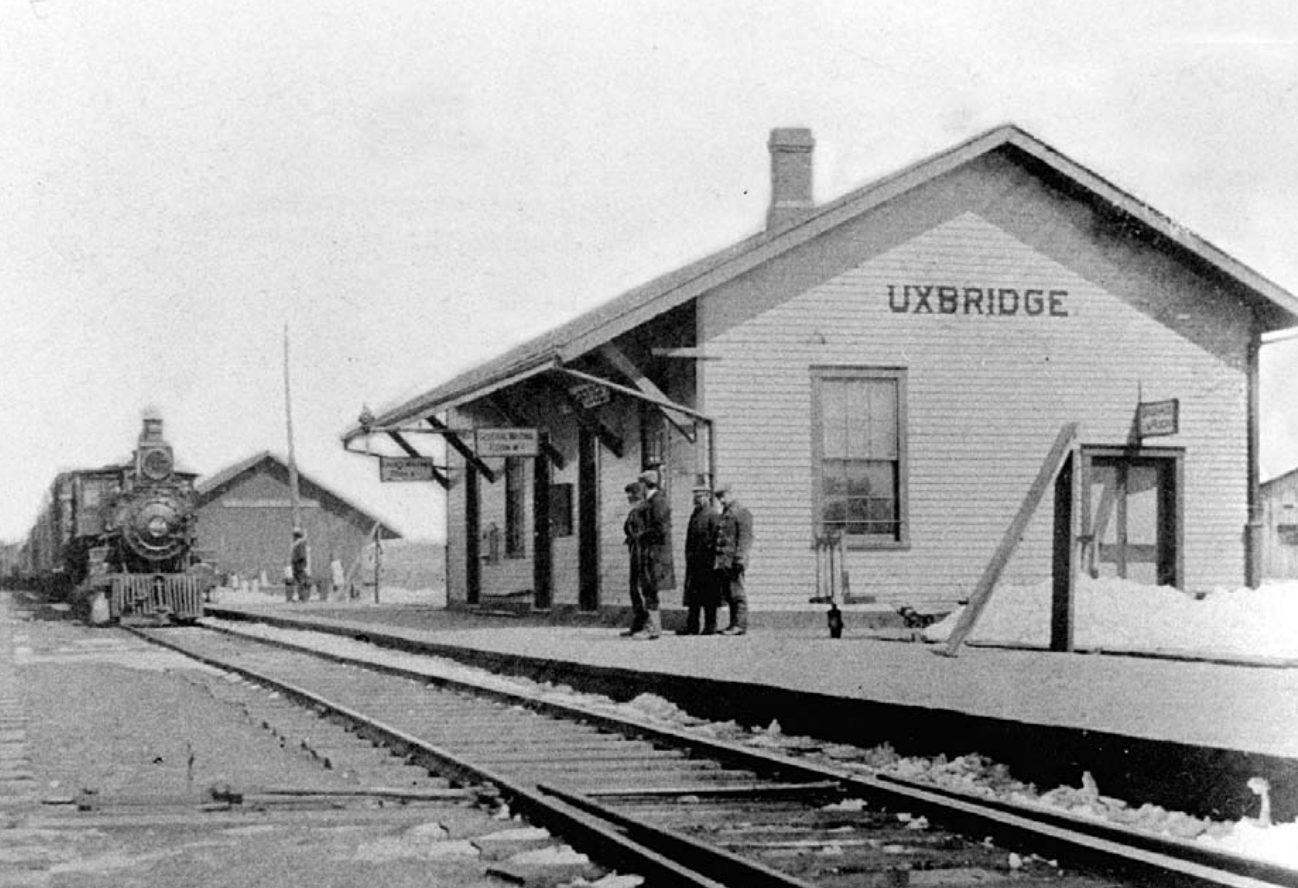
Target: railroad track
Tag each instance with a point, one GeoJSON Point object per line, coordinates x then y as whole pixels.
{"type": "Point", "coordinates": [686, 810]}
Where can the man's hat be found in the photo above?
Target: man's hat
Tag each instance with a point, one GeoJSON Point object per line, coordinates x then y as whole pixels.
{"type": "Point", "coordinates": [649, 477]}
{"type": "Point", "coordinates": [297, 531]}
{"type": "Point", "coordinates": [721, 488]}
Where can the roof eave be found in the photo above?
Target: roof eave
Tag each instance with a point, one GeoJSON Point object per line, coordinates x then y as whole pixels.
{"type": "Point", "coordinates": [460, 390]}
{"type": "Point", "coordinates": [670, 290]}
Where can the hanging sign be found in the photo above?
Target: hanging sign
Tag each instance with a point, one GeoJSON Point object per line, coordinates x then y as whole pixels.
{"type": "Point", "coordinates": [589, 394]}
{"type": "Point", "coordinates": [1155, 418]}
{"type": "Point", "coordinates": [406, 468]}
{"type": "Point", "coordinates": [506, 442]}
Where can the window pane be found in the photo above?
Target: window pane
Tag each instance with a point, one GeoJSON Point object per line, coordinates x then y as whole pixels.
{"type": "Point", "coordinates": [515, 501]}
{"type": "Point", "coordinates": [833, 417]}
{"type": "Point", "coordinates": [858, 419]}
{"type": "Point", "coordinates": [882, 441]}
{"type": "Point", "coordinates": [859, 468]}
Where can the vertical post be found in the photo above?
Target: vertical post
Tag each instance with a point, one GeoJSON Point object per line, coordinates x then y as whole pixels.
{"type": "Point", "coordinates": [288, 421]}
{"type": "Point", "coordinates": [542, 555]}
{"type": "Point", "coordinates": [1254, 528]}
{"type": "Point", "coordinates": [378, 560]}
{"type": "Point", "coordinates": [472, 527]}
{"type": "Point", "coordinates": [1064, 563]}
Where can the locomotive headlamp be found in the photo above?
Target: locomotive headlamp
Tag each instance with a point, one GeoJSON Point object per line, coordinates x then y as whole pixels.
{"type": "Point", "coordinates": [156, 463]}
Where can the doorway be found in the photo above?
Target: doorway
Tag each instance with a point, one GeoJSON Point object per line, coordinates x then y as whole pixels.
{"type": "Point", "coordinates": [587, 520]}
{"type": "Point", "coordinates": [1133, 515]}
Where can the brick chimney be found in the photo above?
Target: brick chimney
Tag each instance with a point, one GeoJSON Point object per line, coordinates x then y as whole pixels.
{"type": "Point", "coordinates": [791, 153]}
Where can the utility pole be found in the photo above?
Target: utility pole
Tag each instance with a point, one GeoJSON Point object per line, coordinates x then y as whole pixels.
{"type": "Point", "coordinates": [292, 459]}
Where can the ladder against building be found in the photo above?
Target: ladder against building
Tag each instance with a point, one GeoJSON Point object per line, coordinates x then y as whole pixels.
{"type": "Point", "coordinates": [1061, 467]}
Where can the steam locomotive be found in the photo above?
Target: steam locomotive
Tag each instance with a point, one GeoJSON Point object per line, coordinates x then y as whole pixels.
{"type": "Point", "coordinates": [118, 542]}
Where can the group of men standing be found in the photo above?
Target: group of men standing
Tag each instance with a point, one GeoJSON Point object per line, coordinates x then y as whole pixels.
{"type": "Point", "coordinates": [717, 543]}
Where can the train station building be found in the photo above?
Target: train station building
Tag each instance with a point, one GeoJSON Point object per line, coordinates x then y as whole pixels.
{"type": "Point", "coordinates": [893, 382]}
{"type": "Point", "coordinates": [244, 520]}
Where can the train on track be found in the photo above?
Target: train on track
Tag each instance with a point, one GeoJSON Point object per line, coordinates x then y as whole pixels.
{"type": "Point", "coordinates": [118, 542]}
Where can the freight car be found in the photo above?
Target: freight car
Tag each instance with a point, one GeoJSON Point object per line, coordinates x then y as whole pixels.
{"type": "Point", "coordinates": [118, 542]}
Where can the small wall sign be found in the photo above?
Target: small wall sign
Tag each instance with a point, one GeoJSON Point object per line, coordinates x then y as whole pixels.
{"type": "Point", "coordinates": [406, 468]}
{"type": "Point", "coordinates": [506, 442]}
{"type": "Point", "coordinates": [1155, 418]}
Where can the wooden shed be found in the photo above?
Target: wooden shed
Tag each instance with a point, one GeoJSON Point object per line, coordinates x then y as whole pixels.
{"type": "Point", "coordinates": [888, 372]}
{"type": "Point", "coordinates": [245, 520]}
{"type": "Point", "coordinates": [1280, 526]}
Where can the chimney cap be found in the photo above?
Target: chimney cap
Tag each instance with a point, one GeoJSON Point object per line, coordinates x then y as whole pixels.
{"type": "Point", "coordinates": [791, 138]}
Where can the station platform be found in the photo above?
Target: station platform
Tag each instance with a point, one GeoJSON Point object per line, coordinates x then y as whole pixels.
{"type": "Point", "coordinates": [1182, 734]}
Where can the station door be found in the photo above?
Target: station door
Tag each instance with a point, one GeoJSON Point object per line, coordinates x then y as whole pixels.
{"type": "Point", "coordinates": [1132, 501]}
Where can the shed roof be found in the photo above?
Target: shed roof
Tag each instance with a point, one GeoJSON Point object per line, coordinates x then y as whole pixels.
{"type": "Point", "coordinates": [575, 338]}
{"type": "Point", "coordinates": [1279, 480]}
{"type": "Point", "coordinates": [211, 486]}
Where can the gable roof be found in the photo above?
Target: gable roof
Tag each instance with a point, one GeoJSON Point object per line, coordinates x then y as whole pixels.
{"type": "Point", "coordinates": [1266, 486]}
{"type": "Point", "coordinates": [600, 325]}
{"type": "Point", "coordinates": [211, 486]}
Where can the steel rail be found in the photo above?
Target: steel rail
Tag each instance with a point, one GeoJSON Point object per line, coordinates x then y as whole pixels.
{"type": "Point", "coordinates": [584, 831]}
{"type": "Point", "coordinates": [1103, 845]}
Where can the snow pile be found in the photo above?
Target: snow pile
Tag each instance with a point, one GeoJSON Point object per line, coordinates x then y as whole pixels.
{"type": "Point", "coordinates": [1111, 614]}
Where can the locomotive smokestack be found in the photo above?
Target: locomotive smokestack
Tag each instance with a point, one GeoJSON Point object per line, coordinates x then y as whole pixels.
{"type": "Point", "coordinates": [152, 430]}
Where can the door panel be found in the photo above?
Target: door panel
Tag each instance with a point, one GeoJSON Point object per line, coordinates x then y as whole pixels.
{"type": "Point", "coordinates": [1133, 518]}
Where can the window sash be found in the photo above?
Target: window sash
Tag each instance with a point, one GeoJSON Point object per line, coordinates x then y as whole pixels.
{"type": "Point", "coordinates": [515, 487]}
{"type": "Point", "coordinates": [860, 454]}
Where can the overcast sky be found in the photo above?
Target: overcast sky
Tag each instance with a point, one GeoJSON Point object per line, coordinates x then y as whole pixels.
{"type": "Point", "coordinates": [414, 185]}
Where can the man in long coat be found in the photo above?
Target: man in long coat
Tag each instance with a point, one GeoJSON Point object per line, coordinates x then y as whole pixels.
{"type": "Point", "coordinates": [633, 528]}
{"type": "Point", "coordinates": [734, 541]}
{"type": "Point", "coordinates": [701, 593]}
{"type": "Point", "coordinates": [657, 572]}
{"type": "Point", "coordinates": [300, 561]}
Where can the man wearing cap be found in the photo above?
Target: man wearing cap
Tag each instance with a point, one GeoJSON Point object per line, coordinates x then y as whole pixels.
{"type": "Point", "coordinates": [633, 528]}
{"type": "Point", "coordinates": [656, 570]}
{"type": "Point", "coordinates": [701, 592]}
{"type": "Point", "coordinates": [300, 560]}
{"type": "Point", "coordinates": [734, 540]}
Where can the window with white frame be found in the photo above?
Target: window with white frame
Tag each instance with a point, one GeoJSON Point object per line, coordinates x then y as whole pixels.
{"type": "Point", "coordinates": [859, 454]}
{"type": "Point", "coordinates": [515, 503]}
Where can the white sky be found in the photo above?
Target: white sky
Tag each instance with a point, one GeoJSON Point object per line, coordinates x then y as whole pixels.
{"type": "Point", "coordinates": [414, 186]}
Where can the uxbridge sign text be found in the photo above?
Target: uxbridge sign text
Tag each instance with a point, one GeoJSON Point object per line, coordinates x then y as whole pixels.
{"type": "Point", "coordinates": [1000, 301]}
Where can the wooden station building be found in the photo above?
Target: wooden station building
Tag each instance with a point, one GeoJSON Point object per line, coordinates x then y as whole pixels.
{"type": "Point", "coordinates": [245, 520]}
{"type": "Point", "coordinates": [883, 377]}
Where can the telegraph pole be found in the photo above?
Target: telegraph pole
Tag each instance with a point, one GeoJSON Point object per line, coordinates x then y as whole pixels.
{"type": "Point", "coordinates": [292, 459]}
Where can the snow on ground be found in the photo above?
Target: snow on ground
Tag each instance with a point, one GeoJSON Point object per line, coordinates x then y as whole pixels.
{"type": "Point", "coordinates": [1118, 615]}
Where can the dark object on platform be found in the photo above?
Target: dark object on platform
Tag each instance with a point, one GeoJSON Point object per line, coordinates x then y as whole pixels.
{"type": "Point", "coordinates": [915, 620]}
{"type": "Point", "coordinates": [835, 620]}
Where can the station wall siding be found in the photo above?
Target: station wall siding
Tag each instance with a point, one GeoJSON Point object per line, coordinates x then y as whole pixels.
{"type": "Point", "coordinates": [986, 396]}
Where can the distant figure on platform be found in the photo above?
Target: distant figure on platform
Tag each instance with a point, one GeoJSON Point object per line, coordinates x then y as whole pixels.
{"type": "Point", "coordinates": [734, 541]}
{"type": "Point", "coordinates": [300, 561]}
{"type": "Point", "coordinates": [633, 527]}
{"type": "Point", "coordinates": [657, 572]}
{"type": "Point", "coordinates": [337, 579]}
{"type": "Point", "coordinates": [701, 593]}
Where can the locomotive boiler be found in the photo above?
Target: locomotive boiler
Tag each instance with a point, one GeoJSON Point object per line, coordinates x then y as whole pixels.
{"type": "Point", "coordinates": [118, 542]}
